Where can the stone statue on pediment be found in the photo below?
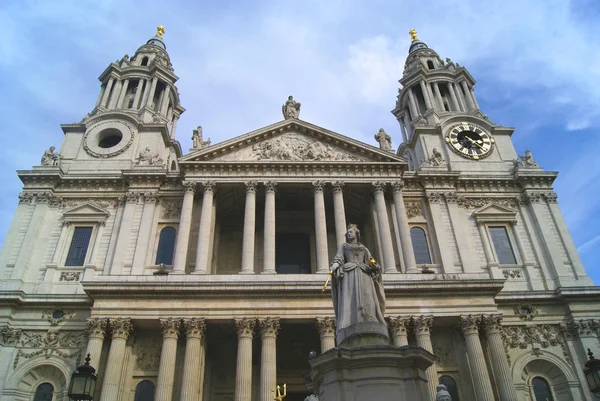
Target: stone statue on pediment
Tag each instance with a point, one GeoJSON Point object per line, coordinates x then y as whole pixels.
{"type": "Point", "coordinates": [384, 139]}
{"type": "Point", "coordinates": [524, 161]}
{"type": "Point", "coordinates": [291, 108]}
{"type": "Point", "coordinates": [51, 158]}
{"type": "Point", "coordinates": [198, 141]}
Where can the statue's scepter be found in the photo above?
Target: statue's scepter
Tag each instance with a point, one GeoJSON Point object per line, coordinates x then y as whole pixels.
{"type": "Point", "coordinates": [329, 276]}
{"type": "Point", "coordinates": [279, 396]}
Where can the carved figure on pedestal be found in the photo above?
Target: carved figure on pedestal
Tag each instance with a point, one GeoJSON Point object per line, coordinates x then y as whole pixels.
{"type": "Point", "coordinates": [525, 161]}
{"type": "Point", "coordinates": [198, 141]}
{"type": "Point", "coordinates": [435, 160]}
{"type": "Point", "coordinates": [50, 158]}
{"type": "Point", "coordinates": [384, 139]}
{"type": "Point", "coordinates": [357, 286]}
{"type": "Point", "coordinates": [148, 158]}
{"type": "Point", "coordinates": [291, 108]}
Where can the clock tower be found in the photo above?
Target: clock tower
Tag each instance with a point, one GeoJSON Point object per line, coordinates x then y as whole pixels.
{"type": "Point", "coordinates": [442, 125]}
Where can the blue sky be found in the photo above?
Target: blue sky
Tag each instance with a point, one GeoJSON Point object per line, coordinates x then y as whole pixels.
{"type": "Point", "coordinates": [537, 64]}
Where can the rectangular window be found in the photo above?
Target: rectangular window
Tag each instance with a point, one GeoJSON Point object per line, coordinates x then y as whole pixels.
{"type": "Point", "coordinates": [502, 245]}
{"type": "Point", "coordinates": [79, 246]}
{"type": "Point", "coordinates": [292, 254]}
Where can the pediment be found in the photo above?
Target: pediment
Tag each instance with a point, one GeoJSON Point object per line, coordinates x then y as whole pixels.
{"type": "Point", "coordinates": [495, 213]}
{"type": "Point", "coordinates": [85, 213]}
{"type": "Point", "coordinates": [292, 141]}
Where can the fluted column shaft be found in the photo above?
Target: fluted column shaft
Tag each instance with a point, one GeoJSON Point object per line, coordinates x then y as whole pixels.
{"type": "Point", "coordinates": [389, 263]}
{"type": "Point", "coordinates": [455, 104]}
{"type": "Point", "coordinates": [193, 363]}
{"type": "Point", "coordinates": [96, 329]}
{"type": "Point", "coordinates": [107, 91]}
{"type": "Point", "coordinates": [202, 250]}
{"type": "Point", "coordinates": [493, 331]}
{"type": "Point", "coordinates": [399, 328]}
{"type": "Point", "coordinates": [269, 228]}
{"type": "Point", "coordinates": [438, 95]}
{"type": "Point", "coordinates": [425, 95]}
{"type": "Point", "coordinates": [268, 363]}
{"type": "Point", "coordinates": [405, 239]}
{"type": "Point", "coordinates": [320, 228]}
{"type": "Point", "coordinates": [168, 353]}
{"type": "Point", "coordinates": [326, 327]}
{"type": "Point", "coordinates": [122, 94]}
{"type": "Point", "coordinates": [151, 92]}
{"type": "Point", "coordinates": [479, 373]}
{"type": "Point", "coordinates": [467, 96]}
{"type": "Point", "coordinates": [121, 328]}
{"type": "Point", "coordinates": [339, 213]}
{"type": "Point", "coordinates": [422, 325]}
{"type": "Point", "coordinates": [249, 229]}
{"type": "Point", "coordinates": [243, 376]}
{"type": "Point", "coordinates": [138, 94]}
{"type": "Point", "coordinates": [414, 107]}
{"type": "Point", "coordinates": [183, 233]}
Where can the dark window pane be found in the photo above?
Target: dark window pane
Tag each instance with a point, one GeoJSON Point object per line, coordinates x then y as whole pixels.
{"type": "Point", "coordinates": [502, 245]}
{"type": "Point", "coordinates": [144, 391]}
{"type": "Point", "coordinates": [292, 253]}
{"type": "Point", "coordinates": [450, 384]}
{"type": "Point", "coordinates": [541, 389]}
{"type": "Point", "coordinates": [44, 392]}
{"type": "Point", "coordinates": [166, 246]}
{"type": "Point", "coordinates": [419, 243]}
{"type": "Point", "coordinates": [79, 246]}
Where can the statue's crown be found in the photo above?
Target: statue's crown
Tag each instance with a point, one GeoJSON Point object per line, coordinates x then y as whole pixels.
{"type": "Point", "coordinates": [352, 226]}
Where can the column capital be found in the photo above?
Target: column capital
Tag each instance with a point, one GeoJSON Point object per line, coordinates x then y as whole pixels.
{"type": "Point", "coordinates": [434, 197]}
{"type": "Point", "coordinates": [209, 186]}
{"type": "Point", "coordinates": [96, 327]}
{"type": "Point", "coordinates": [469, 324]}
{"type": "Point", "coordinates": [244, 326]}
{"type": "Point", "coordinates": [379, 186]}
{"type": "Point", "coordinates": [270, 186]}
{"type": "Point", "coordinates": [422, 324]}
{"type": "Point", "coordinates": [318, 186]}
{"type": "Point", "coordinates": [399, 324]}
{"type": "Point", "coordinates": [492, 323]}
{"type": "Point", "coordinates": [194, 327]}
{"type": "Point", "coordinates": [269, 326]}
{"type": "Point", "coordinates": [132, 197]}
{"type": "Point", "coordinates": [150, 197]}
{"type": "Point", "coordinates": [551, 197]}
{"type": "Point", "coordinates": [397, 185]}
{"type": "Point", "coordinates": [170, 327]}
{"type": "Point", "coordinates": [326, 326]}
{"type": "Point", "coordinates": [121, 327]}
{"type": "Point", "coordinates": [338, 186]}
{"type": "Point", "coordinates": [250, 186]}
{"type": "Point", "coordinates": [189, 186]}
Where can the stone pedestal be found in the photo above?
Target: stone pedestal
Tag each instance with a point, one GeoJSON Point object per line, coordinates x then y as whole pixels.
{"type": "Point", "coordinates": [382, 373]}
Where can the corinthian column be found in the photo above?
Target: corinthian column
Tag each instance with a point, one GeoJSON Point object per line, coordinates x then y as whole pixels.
{"type": "Point", "coordinates": [121, 328]}
{"type": "Point", "coordinates": [405, 239]}
{"type": "Point", "coordinates": [183, 233]}
{"type": "Point", "coordinates": [326, 327]}
{"type": "Point", "coordinates": [243, 375]}
{"type": "Point", "coordinates": [481, 380]}
{"type": "Point", "coordinates": [268, 364]}
{"type": "Point", "coordinates": [493, 331]}
{"type": "Point", "coordinates": [389, 263]}
{"type": "Point", "coordinates": [269, 228]}
{"type": "Point", "coordinates": [422, 326]}
{"type": "Point", "coordinates": [339, 213]}
{"type": "Point", "coordinates": [399, 328]}
{"type": "Point", "coordinates": [249, 229]}
{"type": "Point", "coordinates": [320, 228]}
{"type": "Point", "coordinates": [166, 369]}
{"type": "Point", "coordinates": [96, 328]}
{"type": "Point", "coordinates": [193, 364]}
{"type": "Point", "coordinates": [202, 257]}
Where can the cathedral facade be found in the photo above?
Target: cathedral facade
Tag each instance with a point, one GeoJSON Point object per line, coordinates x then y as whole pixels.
{"type": "Point", "coordinates": [199, 275]}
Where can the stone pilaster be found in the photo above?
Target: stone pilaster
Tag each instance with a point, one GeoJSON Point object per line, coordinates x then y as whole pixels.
{"type": "Point", "coordinates": [185, 224]}
{"type": "Point", "coordinates": [166, 370]}
{"type": "Point", "coordinates": [96, 329]}
{"type": "Point", "coordinates": [326, 327]}
{"type": "Point", "coordinates": [107, 91]}
{"type": "Point", "coordinates": [138, 93]}
{"type": "Point", "coordinates": [389, 263]}
{"type": "Point", "coordinates": [481, 380]}
{"type": "Point", "coordinates": [202, 250]}
{"type": "Point", "coordinates": [320, 228]}
{"type": "Point", "coordinates": [269, 327]}
{"type": "Point", "coordinates": [121, 329]}
{"type": "Point", "coordinates": [339, 212]}
{"type": "Point", "coordinates": [399, 328]}
{"type": "Point", "coordinates": [422, 326]}
{"type": "Point", "coordinates": [243, 377]}
{"type": "Point", "coordinates": [405, 239]}
{"type": "Point", "coordinates": [269, 228]}
{"type": "Point", "coordinates": [493, 331]}
{"type": "Point", "coordinates": [146, 224]}
{"type": "Point", "coordinates": [249, 229]}
{"type": "Point", "coordinates": [131, 200]}
{"type": "Point", "coordinates": [193, 364]}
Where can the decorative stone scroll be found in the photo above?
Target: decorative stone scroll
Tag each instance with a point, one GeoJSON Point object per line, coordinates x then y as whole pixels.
{"type": "Point", "coordinates": [413, 209]}
{"type": "Point", "coordinates": [525, 311]}
{"type": "Point", "coordinates": [471, 203]}
{"type": "Point", "coordinates": [57, 315]}
{"type": "Point", "coordinates": [523, 337]}
{"type": "Point", "coordinates": [512, 273]}
{"type": "Point", "coordinates": [70, 276]}
{"type": "Point", "coordinates": [9, 336]}
{"type": "Point", "coordinates": [66, 345]}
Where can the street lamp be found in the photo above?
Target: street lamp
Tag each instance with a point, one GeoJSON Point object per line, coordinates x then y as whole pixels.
{"type": "Point", "coordinates": [83, 382]}
{"type": "Point", "coordinates": [592, 374]}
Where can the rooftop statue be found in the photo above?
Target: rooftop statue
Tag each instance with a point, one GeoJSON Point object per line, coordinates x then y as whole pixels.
{"type": "Point", "coordinates": [291, 108]}
{"type": "Point", "coordinates": [198, 141]}
{"type": "Point", "coordinates": [50, 158]}
{"type": "Point", "coordinates": [384, 139]}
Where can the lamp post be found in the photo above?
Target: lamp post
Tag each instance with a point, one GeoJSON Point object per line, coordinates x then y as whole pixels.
{"type": "Point", "coordinates": [592, 374]}
{"type": "Point", "coordinates": [83, 382]}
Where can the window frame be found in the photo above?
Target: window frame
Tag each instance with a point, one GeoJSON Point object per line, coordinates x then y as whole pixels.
{"type": "Point", "coordinates": [160, 229]}
{"type": "Point", "coordinates": [44, 381]}
{"type": "Point", "coordinates": [425, 228]}
{"type": "Point", "coordinates": [151, 257]}
{"type": "Point", "coordinates": [494, 215]}
{"type": "Point", "coordinates": [548, 381]}
{"type": "Point", "coordinates": [511, 240]}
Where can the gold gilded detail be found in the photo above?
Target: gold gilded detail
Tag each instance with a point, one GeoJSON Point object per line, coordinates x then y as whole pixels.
{"type": "Point", "coordinates": [279, 396]}
{"type": "Point", "coordinates": [160, 31]}
{"type": "Point", "coordinates": [413, 34]}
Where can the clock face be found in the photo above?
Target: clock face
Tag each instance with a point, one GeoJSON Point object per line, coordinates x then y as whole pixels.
{"type": "Point", "coordinates": [470, 141]}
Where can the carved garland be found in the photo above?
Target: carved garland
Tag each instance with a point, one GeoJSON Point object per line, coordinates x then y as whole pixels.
{"type": "Point", "coordinates": [67, 345]}
{"type": "Point", "coordinates": [523, 337]}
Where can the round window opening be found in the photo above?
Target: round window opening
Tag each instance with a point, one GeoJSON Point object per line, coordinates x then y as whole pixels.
{"type": "Point", "coordinates": [58, 314]}
{"type": "Point", "coordinates": [109, 138]}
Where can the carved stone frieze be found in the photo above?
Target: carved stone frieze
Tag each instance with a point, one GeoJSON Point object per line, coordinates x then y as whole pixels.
{"type": "Point", "coordinates": [25, 197]}
{"type": "Point", "coordinates": [148, 158]}
{"type": "Point", "coordinates": [399, 325]}
{"type": "Point", "coordinates": [147, 354]}
{"type": "Point", "coordinates": [121, 327]}
{"type": "Point", "coordinates": [194, 327]}
{"type": "Point", "coordinates": [470, 203]}
{"type": "Point", "coordinates": [534, 336]}
{"type": "Point", "coordinates": [245, 326]}
{"type": "Point", "coordinates": [269, 326]}
{"type": "Point", "coordinates": [171, 209]}
{"type": "Point", "coordinates": [57, 315]}
{"type": "Point", "coordinates": [451, 197]}
{"type": "Point", "coordinates": [69, 203]}
{"type": "Point", "coordinates": [170, 326]}
{"type": "Point", "coordinates": [326, 326]}
{"type": "Point", "coordinates": [9, 336]}
{"type": "Point", "coordinates": [70, 276]}
{"type": "Point", "coordinates": [413, 209]}
{"type": "Point", "coordinates": [443, 352]}
{"type": "Point", "coordinates": [516, 273]}
{"type": "Point", "coordinates": [585, 327]}
{"type": "Point", "coordinates": [525, 311]}
{"type": "Point", "coordinates": [96, 327]}
{"type": "Point", "coordinates": [67, 345]}
{"type": "Point", "coordinates": [422, 324]}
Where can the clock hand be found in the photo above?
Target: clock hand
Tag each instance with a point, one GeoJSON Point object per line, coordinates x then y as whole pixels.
{"type": "Point", "coordinates": [473, 141]}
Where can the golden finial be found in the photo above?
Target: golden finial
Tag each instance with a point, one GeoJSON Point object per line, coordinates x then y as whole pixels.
{"type": "Point", "coordinates": [160, 31]}
{"type": "Point", "coordinates": [413, 34]}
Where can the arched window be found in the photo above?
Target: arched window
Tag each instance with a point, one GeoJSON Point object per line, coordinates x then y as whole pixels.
{"type": "Point", "coordinates": [145, 61]}
{"type": "Point", "coordinates": [166, 246]}
{"type": "Point", "coordinates": [541, 389]}
{"type": "Point", "coordinates": [44, 392]}
{"type": "Point", "coordinates": [450, 384]}
{"type": "Point", "coordinates": [173, 165]}
{"type": "Point", "coordinates": [420, 247]}
{"type": "Point", "coordinates": [430, 64]}
{"type": "Point", "coordinates": [144, 391]}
